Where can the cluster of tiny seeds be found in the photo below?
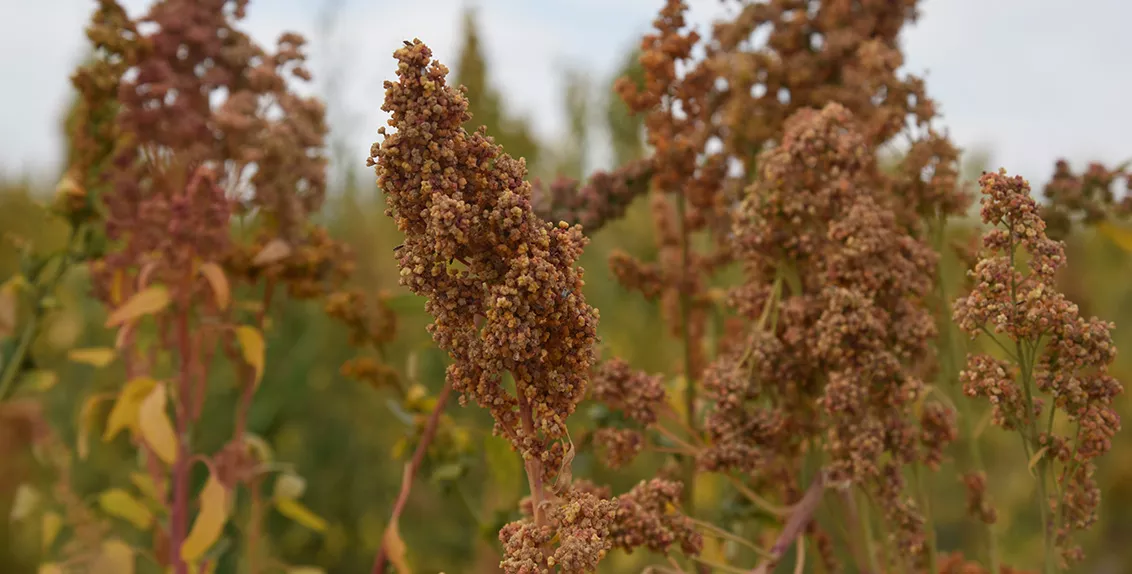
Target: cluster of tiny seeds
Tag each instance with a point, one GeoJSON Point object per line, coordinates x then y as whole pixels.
{"type": "Point", "coordinates": [1090, 196]}
{"type": "Point", "coordinates": [843, 336]}
{"type": "Point", "coordinates": [647, 516]}
{"type": "Point", "coordinates": [474, 247]}
{"type": "Point", "coordinates": [635, 393]}
{"type": "Point", "coordinates": [1014, 295]}
{"type": "Point", "coordinates": [184, 156]}
{"type": "Point", "coordinates": [604, 197]}
{"type": "Point", "coordinates": [955, 563]}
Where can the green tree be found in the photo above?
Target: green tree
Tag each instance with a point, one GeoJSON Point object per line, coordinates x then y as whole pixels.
{"type": "Point", "coordinates": [486, 103]}
{"type": "Point", "coordinates": [626, 130]}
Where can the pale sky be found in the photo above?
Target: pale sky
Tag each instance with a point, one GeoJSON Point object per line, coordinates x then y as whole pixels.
{"type": "Point", "coordinates": [1029, 80]}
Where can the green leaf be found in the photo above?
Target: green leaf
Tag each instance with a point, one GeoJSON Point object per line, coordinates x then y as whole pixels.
{"type": "Point", "coordinates": [448, 472]}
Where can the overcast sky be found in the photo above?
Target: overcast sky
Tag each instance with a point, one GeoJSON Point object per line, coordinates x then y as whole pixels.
{"type": "Point", "coordinates": [1029, 80]}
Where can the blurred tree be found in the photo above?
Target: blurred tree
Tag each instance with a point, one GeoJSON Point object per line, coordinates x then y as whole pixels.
{"type": "Point", "coordinates": [626, 130]}
{"type": "Point", "coordinates": [485, 103]}
{"type": "Point", "coordinates": [570, 157]}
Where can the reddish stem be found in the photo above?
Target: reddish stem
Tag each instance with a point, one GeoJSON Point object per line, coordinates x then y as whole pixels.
{"type": "Point", "coordinates": [179, 515]}
{"type": "Point", "coordinates": [254, 526]}
{"type": "Point", "coordinates": [799, 519]}
{"type": "Point", "coordinates": [411, 471]}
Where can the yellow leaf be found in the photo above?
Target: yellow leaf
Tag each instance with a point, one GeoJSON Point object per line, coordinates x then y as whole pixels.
{"type": "Point", "coordinates": [50, 526]}
{"type": "Point", "coordinates": [87, 415]}
{"type": "Point", "coordinates": [1034, 459]}
{"type": "Point", "coordinates": [144, 483]}
{"type": "Point", "coordinates": [395, 549]}
{"type": "Point", "coordinates": [145, 302]}
{"type": "Point", "coordinates": [94, 356]}
{"type": "Point", "coordinates": [295, 510]}
{"type": "Point", "coordinates": [275, 250]}
{"type": "Point", "coordinates": [210, 521]}
{"type": "Point", "coordinates": [125, 412]}
{"type": "Point", "coordinates": [1121, 236]}
{"type": "Point", "coordinates": [155, 426]}
{"type": "Point", "coordinates": [118, 502]}
{"type": "Point", "coordinates": [116, 557]}
{"type": "Point", "coordinates": [289, 486]}
{"type": "Point", "coordinates": [116, 285]}
{"type": "Point", "coordinates": [50, 568]}
{"type": "Point", "coordinates": [219, 283]}
{"type": "Point", "coordinates": [251, 342]}
{"type": "Point", "coordinates": [259, 447]}
{"type": "Point", "coordinates": [305, 570]}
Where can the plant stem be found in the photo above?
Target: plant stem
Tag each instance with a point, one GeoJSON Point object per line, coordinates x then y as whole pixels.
{"type": "Point", "coordinates": [925, 501]}
{"type": "Point", "coordinates": [411, 469]}
{"type": "Point", "coordinates": [689, 373]}
{"type": "Point", "coordinates": [800, 517]}
{"type": "Point", "coordinates": [179, 515]}
{"type": "Point", "coordinates": [962, 401]}
{"type": "Point", "coordinates": [13, 364]}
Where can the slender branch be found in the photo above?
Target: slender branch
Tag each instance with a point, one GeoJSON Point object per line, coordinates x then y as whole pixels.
{"type": "Point", "coordinates": [411, 471]}
{"type": "Point", "coordinates": [800, 518]}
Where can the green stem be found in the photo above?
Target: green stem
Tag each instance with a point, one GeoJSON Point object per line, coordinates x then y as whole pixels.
{"type": "Point", "coordinates": [13, 364]}
{"type": "Point", "coordinates": [925, 501]}
{"type": "Point", "coordinates": [867, 532]}
{"type": "Point", "coordinates": [962, 402]}
{"type": "Point", "coordinates": [689, 376]}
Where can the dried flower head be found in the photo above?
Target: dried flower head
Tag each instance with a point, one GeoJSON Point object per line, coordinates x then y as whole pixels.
{"type": "Point", "coordinates": [1052, 351]}
{"type": "Point", "coordinates": [458, 198]}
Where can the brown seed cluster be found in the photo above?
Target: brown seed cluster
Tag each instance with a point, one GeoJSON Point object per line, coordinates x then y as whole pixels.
{"type": "Point", "coordinates": [1089, 197]}
{"type": "Point", "coordinates": [637, 397]}
{"type": "Point", "coordinates": [836, 290]}
{"type": "Point", "coordinates": [206, 127]}
{"type": "Point", "coordinates": [604, 197]}
{"type": "Point", "coordinates": [474, 247]}
{"type": "Point", "coordinates": [1052, 350]}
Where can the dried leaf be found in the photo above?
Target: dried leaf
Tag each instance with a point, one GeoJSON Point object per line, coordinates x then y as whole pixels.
{"type": "Point", "coordinates": [275, 250]}
{"type": "Point", "coordinates": [118, 502]}
{"type": "Point", "coordinates": [116, 557]}
{"type": "Point", "coordinates": [395, 549]}
{"type": "Point", "coordinates": [295, 510]}
{"type": "Point", "coordinates": [94, 356]}
{"type": "Point", "coordinates": [259, 447]}
{"type": "Point", "coordinates": [1120, 235]}
{"type": "Point", "coordinates": [8, 307]}
{"type": "Point", "coordinates": [209, 522]}
{"type": "Point", "coordinates": [125, 412]}
{"type": "Point", "coordinates": [305, 570]}
{"type": "Point", "coordinates": [1035, 459]}
{"type": "Point", "coordinates": [148, 301]}
{"type": "Point", "coordinates": [251, 342]}
{"type": "Point", "coordinates": [219, 283]}
{"type": "Point", "coordinates": [155, 426]}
